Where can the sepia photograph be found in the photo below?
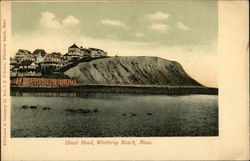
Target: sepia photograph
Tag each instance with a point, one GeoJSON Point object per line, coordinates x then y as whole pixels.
{"type": "Point", "coordinates": [124, 80]}
{"type": "Point", "coordinates": [114, 69]}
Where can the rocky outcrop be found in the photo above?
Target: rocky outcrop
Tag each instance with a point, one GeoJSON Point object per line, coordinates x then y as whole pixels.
{"type": "Point", "coordinates": [131, 71]}
{"type": "Point", "coordinates": [42, 82]}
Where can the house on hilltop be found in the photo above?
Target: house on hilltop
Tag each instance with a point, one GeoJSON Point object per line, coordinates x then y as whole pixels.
{"type": "Point", "coordinates": [23, 55]}
{"type": "Point", "coordinates": [39, 52]}
{"type": "Point", "coordinates": [85, 52]}
{"type": "Point", "coordinates": [13, 62]}
{"type": "Point", "coordinates": [76, 53]}
{"type": "Point", "coordinates": [51, 63]}
{"type": "Point", "coordinates": [39, 55]}
{"type": "Point", "coordinates": [95, 52]}
{"type": "Point", "coordinates": [74, 49]}
{"type": "Point", "coordinates": [25, 68]}
{"type": "Point", "coordinates": [57, 54]}
{"type": "Point", "coordinates": [51, 58]}
{"type": "Point", "coordinates": [38, 62]}
{"type": "Point", "coordinates": [27, 64]}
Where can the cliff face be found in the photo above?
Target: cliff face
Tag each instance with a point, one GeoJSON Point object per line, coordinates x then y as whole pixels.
{"type": "Point", "coordinates": [131, 71]}
{"type": "Point", "coordinates": [43, 82]}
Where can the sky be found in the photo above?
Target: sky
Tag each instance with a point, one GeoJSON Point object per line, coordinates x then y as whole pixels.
{"type": "Point", "coordinates": [183, 31]}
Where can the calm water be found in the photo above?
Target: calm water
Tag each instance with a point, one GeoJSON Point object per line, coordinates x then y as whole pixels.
{"type": "Point", "coordinates": [118, 115]}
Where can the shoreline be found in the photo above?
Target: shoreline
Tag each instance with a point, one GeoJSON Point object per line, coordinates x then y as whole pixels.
{"type": "Point", "coordinates": [118, 89]}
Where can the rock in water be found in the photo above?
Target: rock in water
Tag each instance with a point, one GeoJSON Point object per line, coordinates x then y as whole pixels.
{"type": "Point", "coordinates": [46, 108]}
{"type": "Point", "coordinates": [33, 107]}
{"type": "Point", "coordinates": [25, 106]}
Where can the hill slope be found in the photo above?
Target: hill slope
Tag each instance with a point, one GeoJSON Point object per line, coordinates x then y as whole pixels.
{"type": "Point", "coordinates": [131, 71]}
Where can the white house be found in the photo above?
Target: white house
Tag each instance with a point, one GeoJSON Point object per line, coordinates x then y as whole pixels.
{"type": "Point", "coordinates": [95, 52]}
{"type": "Point", "coordinates": [26, 68]}
{"type": "Point", "coordinates": [39, 59]}
{"type": "Point", "coordinates": [74, 50]}
{"type": "Point", "coordinates": [39, 55]}
{"type": "Point", "coordinates": [51, 62]}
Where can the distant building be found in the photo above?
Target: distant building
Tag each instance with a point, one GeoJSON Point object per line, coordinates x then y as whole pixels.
{"type": "Point", "coordinates": [51, 58]}
{"type": "Point", "coordinates": [51, 63]}
{"type": "Point", "coordinates": [74, 49]}
{"type": "Point", "coordinates": [66, 57]}
{"type": "Point", "coordinates": [76, 53]}
{"type": "Point", "coordinates": [13, 62]}
{"type": "Point", "coordinates": [85, 52]}
{"type": "Point", "coordinates": [25, 63]}
{"type": "Point", "coordinates": [25, 68]}
{"type": "Point", "coordinates": [23, 55]}
{"type": "Point", "coordinates": [39, 59]}
{"type": "Point", "coordinates": [94, 53]}
{"type": "Point", "coordinates": [39, 52]}
{"type": "Point", "coordinates": [39, 55]}
{"type": "Point", "coordinates": [57, 54]}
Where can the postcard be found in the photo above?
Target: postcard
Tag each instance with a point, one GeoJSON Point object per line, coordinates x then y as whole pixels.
{"type": "Point", "coordinates": [124, 80]}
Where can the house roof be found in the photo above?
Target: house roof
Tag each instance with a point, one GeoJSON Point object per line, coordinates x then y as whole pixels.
{"type": "Point", "coordinates": [74, 46]}
{"type": "Point", "coordinates": [39, 51]}
{"type": "Point", "coordinates": [51, 56]}
{"type": "Point", "coordinates": [57, 54]}
{"type": "Point", "coordinates": [84, 49]}
{"type": "Point", "coordinates": [25, 63]}
{"type": "Point", "coordinates": [96, 49]}
{"type": "Point", "coordinates": [23, 51]}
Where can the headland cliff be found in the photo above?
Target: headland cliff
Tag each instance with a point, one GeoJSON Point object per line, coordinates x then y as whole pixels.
{"type": "Point", "coordinates": [144, 75]}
